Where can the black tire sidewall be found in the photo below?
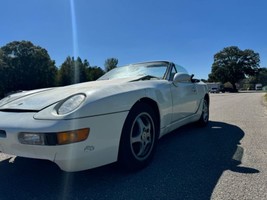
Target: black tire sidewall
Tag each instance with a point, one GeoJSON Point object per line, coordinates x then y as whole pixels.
{"type": "Point", "coordinates": [202, 122]}
{"type": "Point", "coordinates": [126, 157]}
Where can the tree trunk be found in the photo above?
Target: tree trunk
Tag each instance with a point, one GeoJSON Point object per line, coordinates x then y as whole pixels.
{"type": "Point", "coordinates": [234, 87]}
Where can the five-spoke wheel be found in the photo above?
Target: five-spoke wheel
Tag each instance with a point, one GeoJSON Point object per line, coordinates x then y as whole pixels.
{"type": "Point", "coordinates": [139, 137]}
{"type": "Point", "coordinates": [142, 135]}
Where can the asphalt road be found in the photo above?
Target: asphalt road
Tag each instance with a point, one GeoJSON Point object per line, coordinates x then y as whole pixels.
{"type": "Point", "coordinates": [226, 160]}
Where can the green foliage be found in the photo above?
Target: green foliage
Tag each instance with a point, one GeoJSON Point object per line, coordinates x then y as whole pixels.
{"type": "Point", "coordinates": [75, 71]}
{"type": "Point", "coordinates": [261, 76]}
{"type": "Point", "coordinates": [24, 66]}
{"type": "Point", "coordinates": [228, 85]}
{"type": "Point", "coordinates": [232, 65]}
{"type": "Point", "coordinates": [110, 64]}
{"type": "Point", "coordinates": [72, 71]}
{"type": "Point", "coordinates": [93, 73]}
{"type": "Point", "coordinates": [251, 81]}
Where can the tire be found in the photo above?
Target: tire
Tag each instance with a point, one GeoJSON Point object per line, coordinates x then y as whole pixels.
{"type": "Point", "coordinates": [139, 138]}
{"type": "Point", "coordinates": [204, 118]}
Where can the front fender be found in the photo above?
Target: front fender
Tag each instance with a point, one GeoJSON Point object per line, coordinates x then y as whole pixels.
{"type": "Point", "coordinates": [106, 105]}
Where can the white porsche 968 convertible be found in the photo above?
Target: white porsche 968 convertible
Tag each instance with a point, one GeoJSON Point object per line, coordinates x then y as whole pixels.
{"type": "Point", "coordinates": [119, 117]}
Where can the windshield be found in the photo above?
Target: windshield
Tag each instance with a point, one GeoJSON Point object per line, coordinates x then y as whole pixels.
{"type": "Point", "coordinates": [157, 70]}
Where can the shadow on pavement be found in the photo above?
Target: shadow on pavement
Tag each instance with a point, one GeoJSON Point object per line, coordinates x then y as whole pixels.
{"type": "Point", "coordinates": [187, 165]}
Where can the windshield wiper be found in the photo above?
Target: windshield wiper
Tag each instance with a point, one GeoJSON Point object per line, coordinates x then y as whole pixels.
{"type": "Point", "coordinates": [147, 77]}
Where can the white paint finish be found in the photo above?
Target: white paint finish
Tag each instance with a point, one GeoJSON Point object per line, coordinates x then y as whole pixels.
{"type": "Point", "coordinates": [104, 111]}
{"type": "Point", "coordinates": [104, 136]}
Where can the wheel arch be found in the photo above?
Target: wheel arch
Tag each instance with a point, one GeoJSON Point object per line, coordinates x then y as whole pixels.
{"type": "Point", "coordinates": [145, 104]}
{"type": "Point", "coordinates": [153, 104]}
{"type": "Point", "coordinates": [207, 97]}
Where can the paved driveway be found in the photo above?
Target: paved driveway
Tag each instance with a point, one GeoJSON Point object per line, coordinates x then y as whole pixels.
{"type": "Point", "coordinates": [226, 160]}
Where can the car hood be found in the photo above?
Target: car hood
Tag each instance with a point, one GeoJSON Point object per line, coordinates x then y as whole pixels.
{"type": "Point", "coordinates": [36, 100]}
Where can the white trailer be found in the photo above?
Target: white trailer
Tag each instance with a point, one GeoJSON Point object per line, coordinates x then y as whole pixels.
{"type": "Point", "coordinates": [214, 87]}
{"type": "Point", "coordinates": [258, 86]}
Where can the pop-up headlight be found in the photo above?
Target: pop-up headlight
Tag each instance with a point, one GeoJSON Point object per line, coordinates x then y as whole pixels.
{"type": "Point", "coordinates": [70, 104]}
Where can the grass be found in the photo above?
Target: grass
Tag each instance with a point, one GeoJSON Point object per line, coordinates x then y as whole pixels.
{"type": "Point", "coordinates": [265, 96]}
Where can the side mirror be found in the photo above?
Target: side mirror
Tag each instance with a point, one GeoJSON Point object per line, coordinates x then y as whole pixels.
{"type": "Point", "coordinates": [181, 78]}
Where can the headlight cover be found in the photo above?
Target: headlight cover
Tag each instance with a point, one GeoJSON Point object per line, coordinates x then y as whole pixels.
{"type": "Point", "coordinates": [32, 138]}
{"type": "Point", "coordinates": [70, 104]}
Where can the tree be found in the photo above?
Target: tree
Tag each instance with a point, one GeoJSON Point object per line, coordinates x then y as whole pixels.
{"type": "Point", "coordinates": [24, 66]}
{"type": "Point", "coordinates": [232, 65]}
{"type": "Point", "coordinates": [260, 77]}
{"type": "Point", "coordinates": [110, 64]}
{"type": "Point", "coordinates": [93, 73]}
{"type": "Point", "coordinates": [72, 71]}
{"type": "Point", "coordinates": [4, 72]}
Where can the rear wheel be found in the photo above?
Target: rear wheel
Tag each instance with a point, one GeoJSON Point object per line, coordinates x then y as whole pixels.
{"type": "Point", "coordinates": [204, 119]}
{"type": "Point", "coordinates": [139, 137]}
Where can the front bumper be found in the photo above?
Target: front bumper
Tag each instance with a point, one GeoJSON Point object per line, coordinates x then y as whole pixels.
{"type": "Point", "coordinates": [100, 148]}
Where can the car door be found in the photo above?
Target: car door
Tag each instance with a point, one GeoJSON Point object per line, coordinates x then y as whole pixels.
{"type": "Point", "coordinates": [184, 98]}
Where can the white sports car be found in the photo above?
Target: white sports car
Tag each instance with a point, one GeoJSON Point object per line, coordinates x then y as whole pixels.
{"type": "Point", "coordinates": [119, 117]}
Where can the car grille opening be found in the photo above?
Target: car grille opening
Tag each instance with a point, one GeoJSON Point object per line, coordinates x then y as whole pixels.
{"type": "Point", "coordinates": [18, 110]}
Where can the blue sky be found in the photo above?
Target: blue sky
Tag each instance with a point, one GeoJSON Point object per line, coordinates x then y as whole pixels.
{"type": "Point", "coordinates": [187, 32]}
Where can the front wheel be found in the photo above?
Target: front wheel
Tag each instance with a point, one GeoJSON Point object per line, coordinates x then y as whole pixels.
{"type": "Point", "coordinates": [139, 137]}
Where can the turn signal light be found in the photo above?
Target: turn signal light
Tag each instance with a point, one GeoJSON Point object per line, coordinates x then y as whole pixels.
{"type": "Point", "coordinates": [51, 139]}
{"type": "Point", "coordinates": [72, 136]}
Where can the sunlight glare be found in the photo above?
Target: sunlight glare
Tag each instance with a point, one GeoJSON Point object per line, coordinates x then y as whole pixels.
{"type": "Point", "coordinates": [74, 40]}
